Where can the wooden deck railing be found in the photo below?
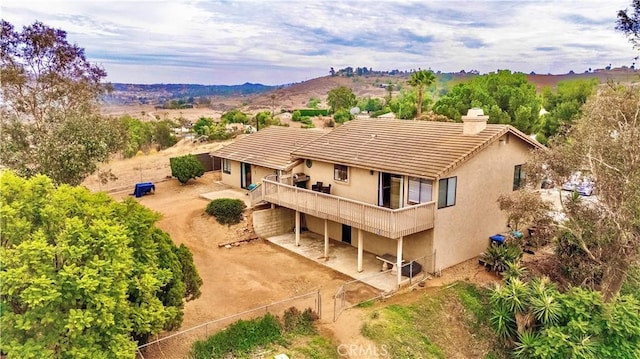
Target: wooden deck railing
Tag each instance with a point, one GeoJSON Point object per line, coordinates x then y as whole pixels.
{"type": "Point", "coordinates": [391, 223]}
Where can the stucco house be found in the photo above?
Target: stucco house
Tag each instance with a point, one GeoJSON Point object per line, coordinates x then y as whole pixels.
{"type": "Point", "coordinates": [404, 189]}
{"type": "Point", "coordinates": [267, 152]}
{"type": "Point", "coordinates": [412, 189]}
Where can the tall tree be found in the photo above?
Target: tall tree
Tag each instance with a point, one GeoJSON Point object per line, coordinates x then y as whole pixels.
{"type": "Point", "coordinates": [629, 23]}
{"type": "Point", "coordinates": [48, 104]}
{"type": "Point", "coordinates": [563, 106]}
{"type": "Point", "coordinates": [84, 276]}
{"type": "Point", "coordinates": [600, 239]}
{"type": "Point", "coordinates": [506, 97]}
{"type": "Point", "coordinates": [421, 79]}
{"type": "Point", "coordinates": [341, 98]}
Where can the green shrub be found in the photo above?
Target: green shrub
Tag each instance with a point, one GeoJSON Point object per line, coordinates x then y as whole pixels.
{"type": "Point", "coordinates": [539, 321]}
{"type": "Point", "coordinates": [296, 116]}
{"type": "Point", "coordinates": [226, 210]}
{"type": "Point", "coordinates": [186, 167]}
{"type": "Point", "coordinates": [239, 338]}
{"type": "Point", "coordinates": [342, 116]}
{"type": "Point", "coordinates": [243, 337]}
{"type": "Point", "coordinates": [313, 103]}
{"type": "Point", "coordinates": [202, 125]}
{"type": "Point", "coordinates": [234, 116]}
{"type": "Point", "coordinates": [313, 112]}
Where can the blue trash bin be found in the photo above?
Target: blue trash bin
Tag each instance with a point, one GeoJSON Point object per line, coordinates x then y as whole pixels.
{"type": "Point", "coordinates": [497, 239]}
{"type": "Point", "coordinates": [143, 188]}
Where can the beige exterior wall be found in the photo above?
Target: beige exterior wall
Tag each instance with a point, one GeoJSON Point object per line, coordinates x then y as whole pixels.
{"type": "Point", "coordinates": [257, 174]}
{"type": "Point", "coordinates": [462, 231]}
{"type": "Point", "coordinates": [361, 185]}
{"type": "Point", "coordinates": [232, 179]}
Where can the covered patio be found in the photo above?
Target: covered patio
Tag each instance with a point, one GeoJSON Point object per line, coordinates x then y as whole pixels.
{"type": "Point", "coordinates": [342, 257]}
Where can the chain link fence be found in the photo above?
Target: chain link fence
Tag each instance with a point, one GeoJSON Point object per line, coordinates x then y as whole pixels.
{"type": "Point", "coordinates": [178, 344]}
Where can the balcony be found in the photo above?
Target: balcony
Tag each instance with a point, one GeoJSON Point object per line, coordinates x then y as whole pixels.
{"type": "Point", "coordinates": [391, 223]}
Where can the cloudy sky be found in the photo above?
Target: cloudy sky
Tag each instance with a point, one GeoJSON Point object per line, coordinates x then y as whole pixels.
{"type": "Point", "coordinates": [278, 42]}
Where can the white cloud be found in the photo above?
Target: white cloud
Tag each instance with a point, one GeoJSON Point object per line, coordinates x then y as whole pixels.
{"type": "Point", "coordinates": [281, 41]}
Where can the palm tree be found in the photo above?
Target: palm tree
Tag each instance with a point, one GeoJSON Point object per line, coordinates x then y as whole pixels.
{"type": "Point", "coordinates": [419, 79]}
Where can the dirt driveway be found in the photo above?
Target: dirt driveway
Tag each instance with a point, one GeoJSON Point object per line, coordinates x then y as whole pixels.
{"type": "Point", "coordinates": [235, 279]}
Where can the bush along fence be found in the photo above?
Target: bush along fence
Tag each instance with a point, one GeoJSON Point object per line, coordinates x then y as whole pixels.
{"type": "Point", "coordinates": [179, 343]}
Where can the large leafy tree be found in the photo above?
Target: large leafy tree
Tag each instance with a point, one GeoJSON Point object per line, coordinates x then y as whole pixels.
{"type": "Point", "coordinates": [629, 23]}
{"type": "Point", "coordinates": [48, 104]}
{"type": "Point", "coordinates": [84, 276]}
{"type": "Point", "coordinates": [421, 79]}
{"type": "Point", "coordinates": [600, 240]}
{"type": "Point", "coordinates": [564, 105]}
{"type": "Point", "coordinates": [341, 98]}
{"type": "Point", "coordinates": [508, 98]}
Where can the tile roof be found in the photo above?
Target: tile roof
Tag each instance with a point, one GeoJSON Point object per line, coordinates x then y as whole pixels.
{"type": "Point", "coordinates": [419, 148]}
{"type": "Point", "coordinates": [270, 147]}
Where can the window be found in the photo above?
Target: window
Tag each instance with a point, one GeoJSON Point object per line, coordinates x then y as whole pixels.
{"type": "Point", "coordinates": [340, 173]}
{"type": "Point", "coordinates": [419, 190]}
{"type": "Point", "coordinates": [519, 177]}
{"type": "Point", "coordinates": [226, 166]}
{"type": "Point", "coordinates": [447, 192]}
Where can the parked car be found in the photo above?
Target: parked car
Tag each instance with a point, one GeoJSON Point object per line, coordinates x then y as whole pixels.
{"type": "Point", "coordinates": [586, 188]}
{"type": "Point", "coordinates": [584, 185]}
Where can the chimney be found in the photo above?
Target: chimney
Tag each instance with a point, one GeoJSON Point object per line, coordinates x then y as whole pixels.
{"type": "Point", "coordinates": [474, 122]}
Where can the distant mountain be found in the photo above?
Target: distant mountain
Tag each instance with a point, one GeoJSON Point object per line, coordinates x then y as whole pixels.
{"type": "Point", "coordinates": [160, 93]}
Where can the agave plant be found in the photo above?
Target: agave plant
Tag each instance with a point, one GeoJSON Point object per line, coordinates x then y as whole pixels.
{"type": "Point", "coordinates": [526, 344]}
{"type": "Point", "coordinates": [503, 322]}
{"type": "Point", "coordinates": [497, 256]}
{"type": "Point", "coordinates": [544, 304]}
{"type": "Point", "coordinates": [514, 270]}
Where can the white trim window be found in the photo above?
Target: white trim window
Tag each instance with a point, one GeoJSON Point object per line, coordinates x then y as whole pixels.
{"type": "Point", "coordinates": [226, 166]}
{"type": "Point", "coordinates": [420, 190]}
{"type": "Point", "coordinates": [341, 173]}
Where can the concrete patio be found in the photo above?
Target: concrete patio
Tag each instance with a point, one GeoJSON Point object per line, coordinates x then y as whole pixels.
{"type": "Point", "coordinates": [221, 190]}
{"type": "Point", "coordinates": [342, 258]}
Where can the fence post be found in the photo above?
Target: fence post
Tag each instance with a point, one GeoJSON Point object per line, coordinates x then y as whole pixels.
{"type": "Point", "coordinates": [319, 305]}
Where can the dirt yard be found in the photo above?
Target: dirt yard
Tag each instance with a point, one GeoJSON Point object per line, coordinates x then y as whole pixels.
{"type": "Point", "coordinates": [235, 279]}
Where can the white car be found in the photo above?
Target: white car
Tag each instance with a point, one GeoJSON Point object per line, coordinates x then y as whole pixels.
{"type": "Point", "coordinates": [586, 188]}
{"type": "Point", "coordinates": [584, 185]}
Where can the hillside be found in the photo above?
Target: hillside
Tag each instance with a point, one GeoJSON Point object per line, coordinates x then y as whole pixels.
{"type": "Point", "coordinates": [255, 98]}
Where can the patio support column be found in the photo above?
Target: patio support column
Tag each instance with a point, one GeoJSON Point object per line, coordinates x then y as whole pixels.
{"type": "Point", "coordinates": [297, 228]}
{"type": "Point", "coordinates": [399, 261]}
{"type": "Point", "coordinates": [359, 250]}
{"type": "Point", "coordinates": [326, 239]}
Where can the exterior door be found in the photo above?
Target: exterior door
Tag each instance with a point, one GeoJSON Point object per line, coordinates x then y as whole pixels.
{"type": "Point", "coordinates": [245, 175]}
{"type": "Point", "coordinates": [390, 190]}
{"type": "Point", "coordinates": [346, 233]}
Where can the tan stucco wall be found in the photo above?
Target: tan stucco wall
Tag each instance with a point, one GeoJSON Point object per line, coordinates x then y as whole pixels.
{"type": "Point", "coordinates": [362, 185]}
{"type": "Point", "coordinates": [257, 174]}
{"type": "Point", "coordinates": [273, 221]}
{"type": "Point", "coordinates": [232, 179]}
{"type": "Point", "coordinates": [462, 231]}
